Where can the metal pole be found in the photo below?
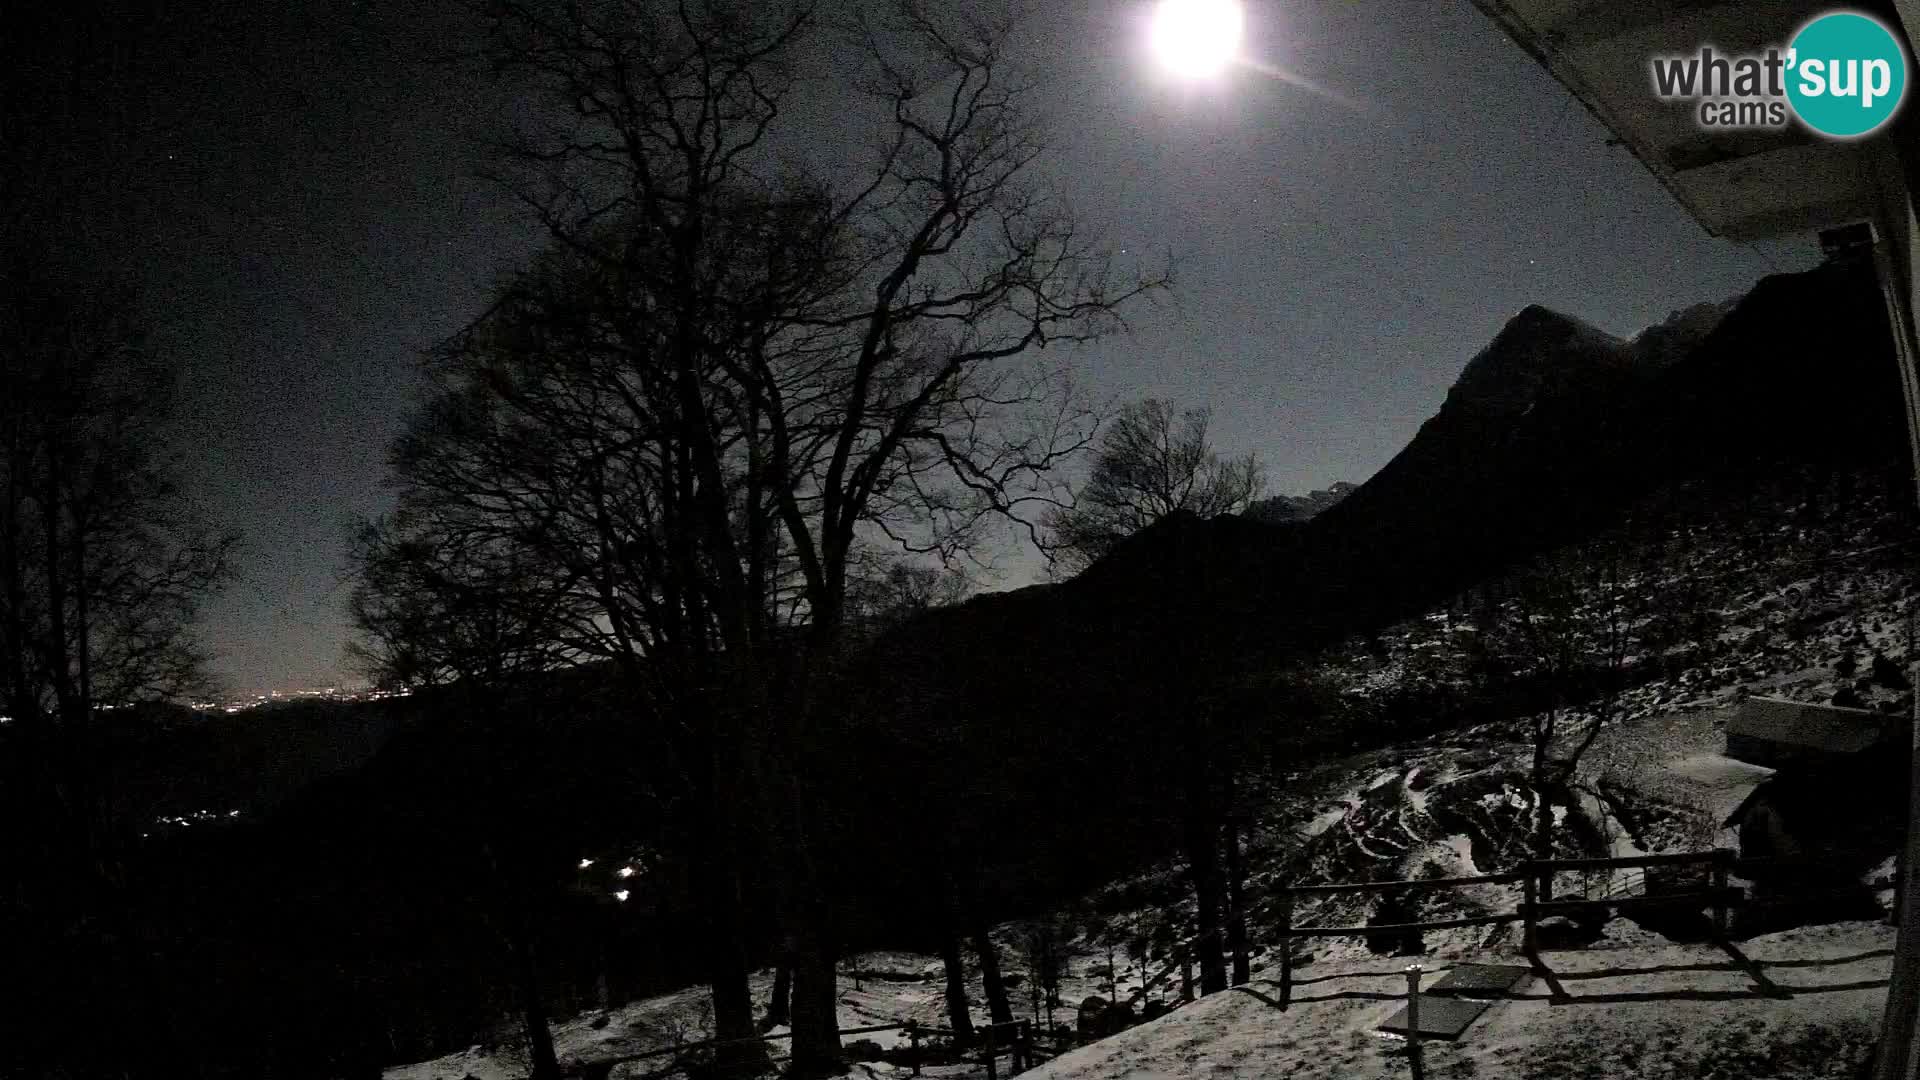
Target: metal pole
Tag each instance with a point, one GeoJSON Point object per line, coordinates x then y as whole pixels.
{"type": "Point", "coordinates": [1894, 228]}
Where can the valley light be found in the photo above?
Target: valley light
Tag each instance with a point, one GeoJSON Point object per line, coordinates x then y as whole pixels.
{"type": "Point", "coordinates": [584, 863]}
{"type": "Point", "coordinates": [626, 871]}
{"type": "Point", "coordinates": [621, 895]}
{"type": "Point", "coordinates": [1196, 39]}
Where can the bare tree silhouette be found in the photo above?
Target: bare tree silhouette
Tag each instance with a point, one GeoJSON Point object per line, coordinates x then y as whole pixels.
{"type": "Point", "coordinates": [716, 386]}
{"type": "Point", "coordinates": [1151, 463]}
{"type": "Point", "coordinates": [103, 567]}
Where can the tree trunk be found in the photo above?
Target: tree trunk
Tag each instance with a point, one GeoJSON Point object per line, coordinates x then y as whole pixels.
{"type": "Point", "coordinates": [729, 812]}
{"type": "Point", "coordinates": [733, 1016]}
{"type": "Point", "coordinates": [959, 1016]}
{"type": "Point", "coordinates": [1543, 837]}
{"type": "Point", "coordinates": [780, 1001]}
{"type": "Point", "coordinates": [1203, 858]}
{"type": "Point", "coordinates": [539, 1036]}
{"type": "Point", "coordinates": [1542, 807]}
{"type": "Point", "coordinates": [997, 1004]}
{"type": "Point", "coordinates": [807, 911]}
{"type": "Point", "coordinates": [1033, 992]}
{"type": "Point", "coordinates": [1236, 914]}
{"type": "Point", "coordinates": [727, 977]}
{"type": "Point", "coordinates": [816, 1000]}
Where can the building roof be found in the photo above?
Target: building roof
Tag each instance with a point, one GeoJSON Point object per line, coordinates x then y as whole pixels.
{"type": "Point", "coordinates": [1718, 784]}
{"type": "Point", "coordinates": [1826, 728]}
{"type": "Point", "coordinates": [1743, 185]}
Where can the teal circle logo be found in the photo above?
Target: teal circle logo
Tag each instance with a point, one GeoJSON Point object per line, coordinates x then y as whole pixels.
{"type": "Point", "coordinates": [1847, 74]}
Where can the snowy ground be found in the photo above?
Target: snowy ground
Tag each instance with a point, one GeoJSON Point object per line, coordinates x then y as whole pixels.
{"type": "Point", "coordinates": [1634, 1007]}
{"type": "Point", "coordinates": [892, 987]}
{"type": "Point", "coordinates": [1805, 1002]}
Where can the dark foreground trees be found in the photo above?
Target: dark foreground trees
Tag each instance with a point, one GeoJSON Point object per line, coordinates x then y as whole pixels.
{"type": "Point", "coordinates": [472, 612]}
{"type": "Point", "coordinates": [727, 375]}
{"type": "Point", "coordinates": [102, 569]}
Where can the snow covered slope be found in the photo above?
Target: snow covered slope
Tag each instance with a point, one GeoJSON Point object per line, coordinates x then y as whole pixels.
{"type": "Point", "coordinates": [1632, 1009]}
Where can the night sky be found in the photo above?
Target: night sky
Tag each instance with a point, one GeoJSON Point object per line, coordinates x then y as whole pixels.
{"type": "Point", "coordinates": [296, 194]}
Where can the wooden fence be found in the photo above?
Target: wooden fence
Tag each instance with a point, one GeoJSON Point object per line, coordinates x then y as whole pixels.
{"type": "Point", "coordinates": [1016, 1037]}
{"type": "Point", "coordinates": [1718, 895]}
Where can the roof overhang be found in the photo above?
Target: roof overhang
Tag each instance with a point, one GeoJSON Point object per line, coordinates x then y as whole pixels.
{"type": "Point", "coordinates": [1742, 185]}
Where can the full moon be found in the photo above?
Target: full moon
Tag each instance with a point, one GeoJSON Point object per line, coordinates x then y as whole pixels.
{"type": "Point", "coordinates": [1196, 38]}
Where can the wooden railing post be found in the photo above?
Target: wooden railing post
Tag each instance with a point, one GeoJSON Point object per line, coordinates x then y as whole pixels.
{"type": "Point", "coordinates": [1528, 943]}
{"type": "Point", "coordinates": [1286, 946]}
{"type": "Point", "coordinates": [1413, 1017]}
{"type": "Point", "coordinates": [913, 1044]}
{"type": "Point", "coordinates": [991, 1050]}
{"type": "Point", "coordinates": [1721, 857]}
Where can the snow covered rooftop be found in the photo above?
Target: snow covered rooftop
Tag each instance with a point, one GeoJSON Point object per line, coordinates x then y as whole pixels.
{"type": "Point", "coordinates": [1803, 725]}
{"type": "Point", "coordinates": [1719, 783]}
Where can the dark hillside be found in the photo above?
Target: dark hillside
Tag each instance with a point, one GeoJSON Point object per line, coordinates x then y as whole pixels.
{"type": "Point", "coordinates": [1052, 720]}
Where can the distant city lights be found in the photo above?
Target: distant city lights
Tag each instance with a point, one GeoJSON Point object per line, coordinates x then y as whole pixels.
{"type": "Point", "coordinates": [585, 863]}
{"type": "Point", "coordinates": [198, 817]}
{"type": "Point", "coordinates": [279, 697]}
{"type": "Point", "coordinates": [625, 871]}
{"type": "Point", "coordinates": [621, 895]}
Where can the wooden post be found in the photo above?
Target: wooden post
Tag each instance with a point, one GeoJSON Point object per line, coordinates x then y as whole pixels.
{"type": "Point", "coordinates": [991, 1050]}
{"type": "Point", "coordinates": [1720, 860]}
{"type": "Point", "coordinates": [1413, 1018]}
{"type": "Point", "coordinates": [913, 1044]}
{"type": "Point", "coordinates": [1286, 946]}
{"type": "Point", "coordinates": [1528, 916]}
